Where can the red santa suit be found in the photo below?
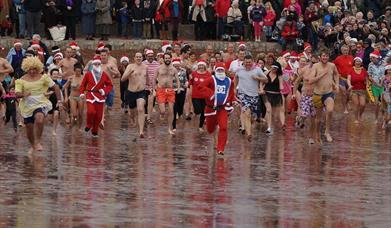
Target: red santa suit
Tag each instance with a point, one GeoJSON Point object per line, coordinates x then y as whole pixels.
{"type": "Point", "coordinates": [219, 95]}
{"type": "Point", "coordinates": [96, 89]}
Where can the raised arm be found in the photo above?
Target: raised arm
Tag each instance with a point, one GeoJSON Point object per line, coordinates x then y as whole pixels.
{"type": "Point", "coordinates": [7, 68]}
{"type": "Point", "coordinates": [127, 73]}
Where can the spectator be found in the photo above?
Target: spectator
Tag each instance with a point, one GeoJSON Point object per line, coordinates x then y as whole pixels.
{"type": "Point", "coordinates": [199, 17]}
{"type": "Point", "coordinates": [374, 6]}
{"type": "Point", "coordinates": [136, 13]}
{"type": "Point", "coordinates": [257, 14]}
{"type": "Point", "coordinates": [289, 34]}
{"type": "Point", "coordinates": [387, 16]}
{"type": "Point", "coordinates": [210, 14]}
{"type": "Point", "coordinates": [367, 51]}
{"type": "Point", "coordinates": [71, 12]}
{"type": "Point", "coordinates": [103, 18]}
{"type": "Point", "coordinates": [164, 17]}
{"type": "Point", "coordinates": [21, 14]}
{"type": "Point", "coordinates": [33, 13]}
{"type": "Point", "coordinates": [269, 21]}
{"type": "Point", "coordinates": [148, 17]}
{"type": "Point", "coordinates": [329, 17]}
{"type": "Point", "coordinates": [295, 4]}
{"type": "Point", "coordinates": [250, 32]}
{"type": "Point", "coordinates": [50, 16]}
{"type": "Point", "coordinates": [88, 18]}
{"type": "Point", "coordinates": [124, 18]}
{"type": "Point", "coordinates": [5, 22]}
{"type": "Point", "coordinates": [175, 7]}
{"type": "Point", "coordinates": [221, 8]}
{"type": "Point", "coordinates": [235, 18]}
{"type": "Point", "coordinates": [311, 16]}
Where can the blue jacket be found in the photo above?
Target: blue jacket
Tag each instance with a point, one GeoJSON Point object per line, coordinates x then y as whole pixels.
{"type": "Point", "coordinates": [12, 53]}
{"type": "Point", "coordinates": [19, 6]}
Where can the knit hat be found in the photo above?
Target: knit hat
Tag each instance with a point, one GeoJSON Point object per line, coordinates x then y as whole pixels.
{"type": "Point", "coordinates": [96, 59]}
{"type": "Point", "coordinates": [124, 59]}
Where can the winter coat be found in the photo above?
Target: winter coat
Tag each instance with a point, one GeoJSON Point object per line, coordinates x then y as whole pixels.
{"type": "Point", "coordinates": [103, 14]}
{"type": "Point", "coordinates": [19, 6]}
{"type": "Point", "coordinates": [198, 9]}
{"type": "Point", "coordinates": [75, 8]}
{"type": "Point", "coordinates": [222, 7]}
{"type": "Point", "coordinates": [290, 32]}
{"type": "Point", "coordinates": [269, 18]}
{"type": "Point", "coordinates": [88, 8]}
{"type": "Point", "coordinates": [33, 5]}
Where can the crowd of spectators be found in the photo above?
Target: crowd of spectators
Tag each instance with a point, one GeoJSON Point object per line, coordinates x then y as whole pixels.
{"type": "Point", "coordinates": [288, 22]}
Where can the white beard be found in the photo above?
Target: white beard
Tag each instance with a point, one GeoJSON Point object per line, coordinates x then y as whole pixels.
{"type": "Point", "coordinates": [220, 76]}
{"type": "Point", "coordinates": [97, 69]}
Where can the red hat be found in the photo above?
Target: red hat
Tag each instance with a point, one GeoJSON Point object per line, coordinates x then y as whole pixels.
{"type": "Point", "coordinates": [35, 44]}
{"type": "Point", "coordinates": [100, 46]}
{"type": "Point", "coordinates": [124, 58]}
{"type": "Point", "coordinates": [201, 62]}
{"type": "Point", "coordinates": [388, 67]}
{"type": "Point", "coordinates": [220, 66]}
{"type": "Point", "coordinates": [242, 44]}
{"type": "Point", "coordinates": [74, 45]}
{"type": "Point", "coordinates": [149, 52]}
{"type": "Point", "coordinates": [285, 54]}
{"type": "Point", "coordinates": [160, 54]}
{"type": "Point", "coordinates": [293, 55]}
{"type": "Point", "coordinates": [375, 54]}
{"type": "Point", "coordinates": [176, 61]}
{"type": "Point", "coordinates": [96, 59]}
{"type": "Point", "coordinates": [306, 46]}
{"type": "Point", "coordinates": [165, 45]}
{"type": "Point", "coordinates": [357, 58]}
{"type": "Point", "coordinates": [58, 56]}
{"type": "Point", "coordinates": [176, 43]}
{"type": "Point", "coordinates": [17, 42]}
{"type": "Point", "coordinates": [301, 55]}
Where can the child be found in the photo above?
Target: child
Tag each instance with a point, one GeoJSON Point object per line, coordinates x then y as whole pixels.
{"type": "Point", "coordinates": [257, 14]}
{"type": "Point", "coordinates": [10, 111]}
{"type": "Point", "coordinates": [124, 18]}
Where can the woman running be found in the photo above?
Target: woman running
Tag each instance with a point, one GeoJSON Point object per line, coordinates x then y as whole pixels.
{"type": "Point", "coordinates": [357, 84]}
{"type": "Point", "coordinates": [273, 96]}
{"type": "Point", "coordinates": [55, 112]}
{"type": "Point", "coordinates": [197, 78]}
{"type": "Point", "coordinates": [75, 102]}
{"type": "Point", "coordinates": [31, 89]}
{"type": "Point", "coordinates": [180, 94]}
{"type": "Point", "coordinates": [386, 96]}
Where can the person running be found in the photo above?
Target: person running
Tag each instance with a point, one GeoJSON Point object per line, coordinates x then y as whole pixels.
{"type": "Point", "coordinates": [344, 64]}
{"type": "Point", "coordinates": [11, 102]}
{"type": "Point", "coordinates": [165, 75]}
{"type": "Point", "coordinates": [55, 112]}
{"type": "Point", "coordinates": [248, 80]}
{"type": "Point", "coordinates": [152, 66]}
{"type": "Point", "coordinates": [357, 82]}
{"type": "Point", "coordinates": [197, 78]}
{"type": "Point", "coordinates": [34, 106]}
{"type": "Point", "coordinates": [375, 73]}
{"type": "Point", "coordinates": [386, 96]}
{"type": "Point", "coordinates": [124, 62]}
{"type": "Point", "coordinates": [136, 73]}
{"type": "Point", "coordinates": [5, 69]}
{"type": "Point", "coordinates": [95, 86]}
{"type": "Point", "coordinates": [273, 97]}
{"type": "Point", "coordinates": [218, 92]}
{"type": "Point", "coordinates": [109, 66]}
{"type": "Point", "coordinates": [67, 64]}
{"type": "Point", "coordinates": [325, 80]}
{"type": "Point", "coordinates": [306, 106]}
{"type": "Point", "coordinates": [75, 102]}
{"type": "Point", "coordinates": [180, 94]}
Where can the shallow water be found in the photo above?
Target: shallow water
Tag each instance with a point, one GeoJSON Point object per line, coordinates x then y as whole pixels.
{"type": "Point", "coordinates": [162, 181]}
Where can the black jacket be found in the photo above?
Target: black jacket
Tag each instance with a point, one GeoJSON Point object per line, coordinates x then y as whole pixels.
{"type": "Point", "coordinates": [33, 5]}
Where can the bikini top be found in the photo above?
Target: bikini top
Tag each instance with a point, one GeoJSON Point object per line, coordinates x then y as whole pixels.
{"type": "Point", "coordinates": [272, 86]}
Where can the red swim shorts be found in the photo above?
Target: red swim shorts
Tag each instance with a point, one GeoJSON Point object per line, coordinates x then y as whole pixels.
{"type": "Point", "coordinates": [164, 95]}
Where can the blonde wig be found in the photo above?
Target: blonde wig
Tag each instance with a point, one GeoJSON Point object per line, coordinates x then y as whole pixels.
{"type": "Point", "coordinates": [32, 63]}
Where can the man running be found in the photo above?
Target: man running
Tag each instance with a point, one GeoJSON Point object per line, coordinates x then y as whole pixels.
{"type": "Point", "coordinates": [67, 64]}
{"type": "Point", "coordinates": [111, 69]}
{"type": "Point", "coordinates": [136, 73]}
{"type": "Point", "coordinates": [165, 75]}
{"type": "Point", "coordinates": [344, 64]}
{"type": "Point", "coordinates": [325, 81]}
{"type": "Point", "coordinates": [152, 66]}
{"type": "Point", "coordinates": [5, 69]}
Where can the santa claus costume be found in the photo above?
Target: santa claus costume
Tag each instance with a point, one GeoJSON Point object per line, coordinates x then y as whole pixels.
{"type": "Point", "coordinates": [95, 86]}
{"type": "Point", "coordinates": [218, 92]}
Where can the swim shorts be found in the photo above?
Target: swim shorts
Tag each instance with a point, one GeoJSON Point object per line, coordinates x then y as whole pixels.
{"type": "Point", "coordinates": [164, 95]}
{"type": "Point", "coordinates": [318, 100]}
{"type": "Point", "coordinates": [248, 102]}
{"type": "Point", "coordinates": [132, 98]}
{"type": "Point", "coordinates": [307, 107]}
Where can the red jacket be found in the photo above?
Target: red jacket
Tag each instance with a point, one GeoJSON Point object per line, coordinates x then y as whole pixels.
{"type": "Point", "coordinates": [208, 91]}
{"type": "Point", "coordinates": [222, 7]}
{"type": "Point", "coordinates": [289, 32]}
{"type": "Point", "coordinates": [269, 19]}
{"type": "Point", "coordinates": [195, 81]}
{"type": "Point", "coordinates": [92, 87]}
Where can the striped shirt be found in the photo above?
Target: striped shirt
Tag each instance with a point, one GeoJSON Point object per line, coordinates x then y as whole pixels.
{"type": "Point", "coordinates": [151, 73]}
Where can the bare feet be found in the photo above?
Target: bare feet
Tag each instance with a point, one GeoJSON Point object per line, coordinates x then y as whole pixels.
{"type": "Point", "coordinates": [102, 125]}
{"type": "Point", "coordinates": [311, 141]}
{"type": "Point", "coordinates": [142, 135]}
{"type": "Point", "coordinates": [346, 111]}
{"type": "Point", "coordinates": [328, 137]}
{"type": "Point", "coordinates": [200, 130]}
{"type": "Point", "coordinates": [171, 132]}
{"type": "Point", "coordinates": [54, 132]}
{"type": "Point", "coordinates": [356, 122]}
{"type": "Point", "coordinates": [249, 138]}
{"type": "Point", "coordinates": [38, 147]}
{"type": "Point", "coordinates": [31, 151]}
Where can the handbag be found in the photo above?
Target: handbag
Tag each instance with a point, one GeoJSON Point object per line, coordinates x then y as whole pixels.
{"type": "Point", "coordinates": [58, 32]}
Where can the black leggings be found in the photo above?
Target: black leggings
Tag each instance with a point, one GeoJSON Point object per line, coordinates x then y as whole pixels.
{"type": "Point", "coordinates": [178, 106]}
{"type": "Point", "coordinates": [123, 88]}
{"type": "Point", "coordinates": [199, 109]}
{"type": "Point", "coordinates": [11, 114]}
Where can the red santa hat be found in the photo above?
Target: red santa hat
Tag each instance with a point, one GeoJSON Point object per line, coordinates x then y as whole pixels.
{"type": "Point", "coordinates": [100, 46]}
{"type": "Point", "coordinates": [124, 59]}
{"type": "Point", "coordinates": [388, 67]}
{"type": "Point", "coordinates": [176, 61]}
{"type": "Point", "coordinates": [242, 44]}
{"type": "Point", "coordinates": [74, 45]}
{"type": "Point", "coordinates": [293, 55]}
{"type": "Point", "coordinates": [165, 45]}
{"type": "Point", "coordinates": [201, 62]}
{"type": "Point", "coordinates": [220, 66]}
{"type": "Point", "coordinates": [306, 46]}
{"type": "Point", "coordinates": [96, 60]}
{"type": "Point", "coordinates": [357, 58]}
{"type": "Point", "coordinates": [35, 44]}
{"type": "Point", "coordinates": [285, 54]}
{"type": "Point", "coordinates": [17, 42]}
{"type": "Point", "coordinates": [176, 43]}
{"type": "Point", "coordinates": [58, 56]}
{"type": "Point", "coordinates": [375, 54]}
{"type": "Point", "coordinates": [160, 54]}
{"type": "Point", "coordinates": [149, 52]}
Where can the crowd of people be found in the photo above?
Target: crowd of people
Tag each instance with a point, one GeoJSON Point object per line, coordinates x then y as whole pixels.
{"type": "Point", "coordinates": [288, 22]}
{"type": "Point", "coordinates": [182, 86]}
